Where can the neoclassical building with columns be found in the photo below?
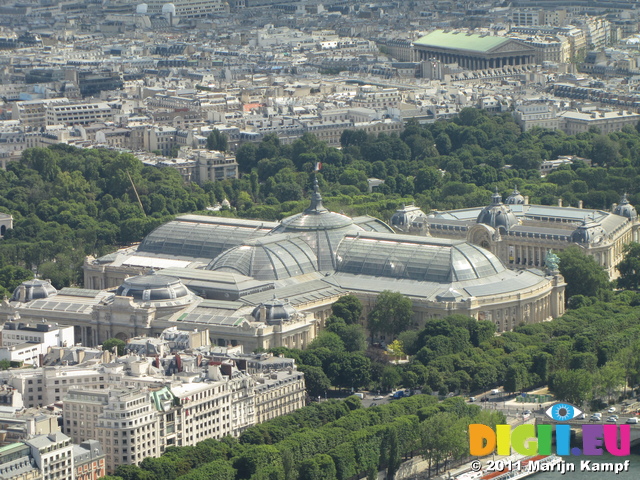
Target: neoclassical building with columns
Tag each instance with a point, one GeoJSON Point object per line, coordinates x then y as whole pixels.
{"type": "Point", "coordinates": [473, 51]}
{"type": "Point", "coordinates": [521, 234]}
{"type": "Point", "coordinates": [264, 285]}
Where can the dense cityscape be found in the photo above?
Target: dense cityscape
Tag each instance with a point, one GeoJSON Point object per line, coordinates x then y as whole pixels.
{"type": "Point", "coordinates": [235, 236]}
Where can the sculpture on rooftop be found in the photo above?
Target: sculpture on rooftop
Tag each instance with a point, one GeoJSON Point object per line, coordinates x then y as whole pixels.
{"type": "Point", "coordinates": [551, 261]}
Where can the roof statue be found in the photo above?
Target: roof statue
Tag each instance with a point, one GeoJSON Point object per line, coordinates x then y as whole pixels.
{"type": "Point", "coordinates": [552, 261]}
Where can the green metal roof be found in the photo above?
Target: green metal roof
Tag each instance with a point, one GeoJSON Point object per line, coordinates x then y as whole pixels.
{"type": "Point", "coordinates": [461, 41]}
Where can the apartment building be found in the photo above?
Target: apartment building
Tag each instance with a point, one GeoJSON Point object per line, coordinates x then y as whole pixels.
{"type": "Point", "coordinates": [278, 393]}
{"type": "Point", "coordinates": [572, 122]}
{"type": "Point", "coordinates": [137, 421]}
{"type": "Point", "coordinates": [536, 115]}
{"type": "Point", "coordinates": [369, 97]}
{"type": "Point", "coordinates": [79, 114]}
{"type": "Point", "coordinates": [89, 461]}
{"type": "Point", "coordinates": [34, 113]}
{"type": "Point", "coordinates": [53, 454]}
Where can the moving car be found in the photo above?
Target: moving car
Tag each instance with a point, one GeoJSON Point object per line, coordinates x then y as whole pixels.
{"type": "Point", "coordinates": [612, 420]}
{"type": "Point", "coordinates": [632, 421]}
{"type": "Point", "coordinates": [611, 410]}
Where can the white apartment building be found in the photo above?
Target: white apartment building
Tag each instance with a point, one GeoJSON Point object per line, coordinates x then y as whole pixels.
{"type": "Point", "coordinates": [536, 115]}
{"type": "Point", "coordinates": [190, 8]}
{"type": "Point", "coordinates": [573, 123]}
{"type": "Point", "coordinates": [79, 114]}
{"type": "Point", "coordinates": [369, 97]}
{"type": "Point", "coordinates": [33, 113]}
{"type": "Point", "coordinates": [53, 454]}
{"type": "Point", "coordinates": [27, 344]}
{"type": "Point", "coordinates": [137, 421]}
{"type": "Point", "coordinates": [49, 334]}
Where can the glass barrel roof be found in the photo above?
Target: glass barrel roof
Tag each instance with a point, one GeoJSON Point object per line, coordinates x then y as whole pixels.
{"type": "Point", "coordinates": [271, 258]}
{"type": "Point", "coordinates": [415, 258]}
{"type": "Point", "coordinates": [200, 240]}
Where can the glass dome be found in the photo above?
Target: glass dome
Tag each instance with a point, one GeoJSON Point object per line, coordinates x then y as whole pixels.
{"type": "Point", "coordinates": [415, 258]}
{"type": "Point", "coordinates": [320, 228]}
{"type": "Point", "coordinates": [274, 257]}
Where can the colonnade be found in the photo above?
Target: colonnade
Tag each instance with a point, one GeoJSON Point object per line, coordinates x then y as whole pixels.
{"type": "Point", "coordinates": [473, 62]}
{"type": "Point", "coordinates": [527, 255]}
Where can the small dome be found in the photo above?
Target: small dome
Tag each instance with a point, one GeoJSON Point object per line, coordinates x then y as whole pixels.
{"type": "Point", "coordinates": [154, 288]}
{"type": "Point", "coordinates": [515, 198]}
{"type": "Point", "coordinates": [33, 290]}
{"type": "Point", "coordinates": [274, 312]}
{"type": "Point", "coordinates": [590, 232]}
{"type": "Point", "coordinates": [409, 218]}
{"type": "Point", "coordinates": [497, 215]}
{"type": "Point", "coordinates": [625, 209]}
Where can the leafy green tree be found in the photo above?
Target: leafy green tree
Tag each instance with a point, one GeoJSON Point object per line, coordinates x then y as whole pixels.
{"type": "Point", "coordinates": [390, 378]}
{"type": "Point", "coordinates": [348, 307]}
{"type": "Point", "coordinates": [350, 370]}
{"type": "Point", "coordinates": [629, 267]}
{"type": "Point", "coordinates": [316, 381]}
{"type": "Point", "coordinates": [391, 315]}
{"type": "Point", "coordinates": [574, 386]}
{"type": "Point", "coordinates": [108, 345]}
{"type": "Point", "coordinates": [328, 340]}
{"type": "Point", "coordinates": [132, 472]}
{"type": "Point", "coordinates": [582, 274]}
{"type": "Point", "coordinates": [11, 277]}
{"type": "Point", "coordinates": [217, 141]}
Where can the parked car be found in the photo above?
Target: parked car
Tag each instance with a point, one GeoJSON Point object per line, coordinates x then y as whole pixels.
{"type": "Point", "coordinates": [472, 399]}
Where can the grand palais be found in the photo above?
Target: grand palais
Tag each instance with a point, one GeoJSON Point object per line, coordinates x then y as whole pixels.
{"type": "Point", "coordinates": [266, 284]}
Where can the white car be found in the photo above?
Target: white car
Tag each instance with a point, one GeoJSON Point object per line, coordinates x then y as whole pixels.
{"type": "Point", "coordinates": [632, 421]}
{"type": "Point", "coordinates": [611, 410]}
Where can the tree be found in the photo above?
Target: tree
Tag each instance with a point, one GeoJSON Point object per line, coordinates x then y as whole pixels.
{"type": "Point", "coordinates": [316, 381]}
{"type": "Point", "coordinates": [108, 345]}
{"type": "Point", "coordinates": [582, 274]}
{"type": "Point", "coordinates": [328, 340]}
{"type": "Point", "coordinates": [349, 308]}
{"type": "Point", "coordinates": [392, 314]}
{"type": "Point", "coordinates": [573, 386]}
{"type": "Point", "coordinates": [629, 267]}
{"type": "Point", "coordinates": [217, 141]}
{"type": "Point", "coordinates": [391, 378]}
